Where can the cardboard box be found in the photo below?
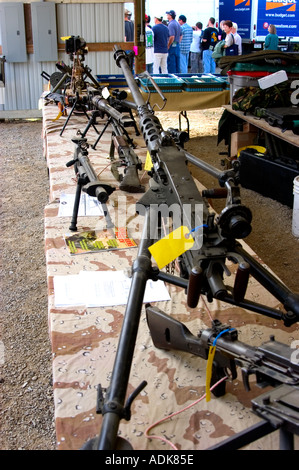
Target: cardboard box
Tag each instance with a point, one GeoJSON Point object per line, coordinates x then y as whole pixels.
{"type": "Point", "coordinates": [247, 127]}
{"type": "Point", "coordinates": [241, 139]}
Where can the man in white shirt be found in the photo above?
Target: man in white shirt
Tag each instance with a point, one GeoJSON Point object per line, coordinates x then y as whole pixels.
{"type": "Point", "coordinates": [237, 38]}
{"type": "Point", "coordinates": [195, 50]}
{"type": "Point", "coordinates": [149, 46]}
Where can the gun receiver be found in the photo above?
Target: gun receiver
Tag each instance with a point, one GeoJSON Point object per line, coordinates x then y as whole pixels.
{"type": "Point", "coordinates": [270, 362]}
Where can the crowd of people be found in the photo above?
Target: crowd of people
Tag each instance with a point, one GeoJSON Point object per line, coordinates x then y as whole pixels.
{"type": "Point", "coordinates": [173, 46]}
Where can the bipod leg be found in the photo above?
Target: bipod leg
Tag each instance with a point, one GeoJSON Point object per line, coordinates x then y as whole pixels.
{"type": "Point", "coordinates": [184, 114]}
{"type": "Point", "coordinates": [102, 132]}
{"type": "Point", "coordinates": [73, 225]}
{"type": "Point", "coordinates": [86, 114]}
{"type": "Point", "coordinates": [68, 118]}
{"type": "Point", "coordinates": [91, 122]}
{"type": "Point", "coordinates": [134, 123]}
{"type": "Point", "coordinates": [130, 141]}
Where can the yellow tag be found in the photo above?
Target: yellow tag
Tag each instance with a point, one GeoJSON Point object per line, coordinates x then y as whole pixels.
{"type": "Point", "coordinates": [170, 247]}
{"type": "Point", "coordinates": [58, 116]}
{"type": "Point", "coordinates": [148, 162]}
{"type": "Point", "coordinates": [212, 351]}
{"type": "Point", "coordinates": [64, 38]}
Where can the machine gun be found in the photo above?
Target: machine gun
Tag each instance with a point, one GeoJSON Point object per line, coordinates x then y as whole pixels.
{"type": "Point", "coordinates": [203, 268]}
{"type": "Point", "coordinates": [129, 180]}
{"type": "Point", "coordinates": [76, 75]}
{"type": "Point", "coordinates": [72, 79]}
{"type": "Point", "coordinates": [87, 181]}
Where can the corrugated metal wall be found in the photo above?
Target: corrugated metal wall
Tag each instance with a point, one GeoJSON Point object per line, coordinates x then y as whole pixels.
{"type": "Point", "coordinates": [95, 22]}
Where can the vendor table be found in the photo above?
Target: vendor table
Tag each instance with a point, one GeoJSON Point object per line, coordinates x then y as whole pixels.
{"type": "Point", "coordinates": [189, 101]}
{"type": "Point", "coordinates": [84, 339]}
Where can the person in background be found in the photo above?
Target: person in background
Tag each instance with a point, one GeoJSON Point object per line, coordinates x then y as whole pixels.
{"type": "Point", "coordinates": [229, 38]}
{"type": "Point", "coordinates": [149, 45]}
{"type": "Point", "coordinates": [195, 50]}
{"type": "Point", "coordinates": [271, 40]}
{"type": "Point", "coordinates": [208, 42]}
{"type": "Point", "coordinates": [161, 36]}
{"type": "Point", "coordinates": [237, 38]}
{"type": "Point", "coordinates": [175, 36]}
{"type": "Point", "coordinates": [129, 27]}
{"type": "Point", "coordinates": [221, 33]}
{"type": "Point", "coordinates": [185, 43]}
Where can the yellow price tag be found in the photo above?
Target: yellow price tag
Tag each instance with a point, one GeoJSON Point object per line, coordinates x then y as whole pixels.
{"type": "Point", "coordinates": [58, 116]}
{"type": "Point", "coordinates": [64, 38]}
{"type": "Point", "coordinates": [170, 247]}
{"type": "Point", "coordinates": [209, 371]}
{"type": "Point", "coordinates": [148, 162]}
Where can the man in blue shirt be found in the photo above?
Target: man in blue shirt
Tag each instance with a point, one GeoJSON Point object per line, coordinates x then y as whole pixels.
{"type": "Point", "coordinates": [161, 35]}
{"type": "Point", "coordinates": [175, 36]}
{"type": "Point", "coordinates": [185, 43]}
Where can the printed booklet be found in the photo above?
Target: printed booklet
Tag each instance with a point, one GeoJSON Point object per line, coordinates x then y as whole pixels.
{"type": "Point", "coordinates": [93, 241]}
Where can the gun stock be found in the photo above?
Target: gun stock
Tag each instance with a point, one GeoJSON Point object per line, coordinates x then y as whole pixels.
{"type": "Point", "coordinates": [129, 181]}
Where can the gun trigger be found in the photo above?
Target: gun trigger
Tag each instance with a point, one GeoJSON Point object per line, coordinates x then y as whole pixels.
{"type": "Point", "coordinates": [245, 377]}
{"type": "Point", "coordinates": [233, 369]}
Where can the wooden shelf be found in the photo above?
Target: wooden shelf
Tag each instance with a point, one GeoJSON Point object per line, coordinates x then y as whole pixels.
{"type": "Point", "coordinates": [260, 123]}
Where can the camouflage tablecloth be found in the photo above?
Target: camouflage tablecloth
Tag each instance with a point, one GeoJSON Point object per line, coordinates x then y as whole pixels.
{"type": "Point", "coordinates": [84, 340]}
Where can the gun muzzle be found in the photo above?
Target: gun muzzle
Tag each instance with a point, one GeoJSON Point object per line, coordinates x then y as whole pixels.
{"type": "Point", "coordinates": [102, 105]}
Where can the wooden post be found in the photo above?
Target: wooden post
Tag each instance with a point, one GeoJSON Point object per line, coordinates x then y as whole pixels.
{"type": "Point", "coordinates": [139, 31]}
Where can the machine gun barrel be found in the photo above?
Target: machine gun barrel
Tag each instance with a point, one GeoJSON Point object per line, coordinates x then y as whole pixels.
{"type": "Point", "coordinates": [149, 124]}
{"type": "Point", "coordinates": [102, 104]}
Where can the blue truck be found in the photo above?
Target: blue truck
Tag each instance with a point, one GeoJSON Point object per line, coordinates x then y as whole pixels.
{"type": "Point", "coordinates": [254, 16]}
